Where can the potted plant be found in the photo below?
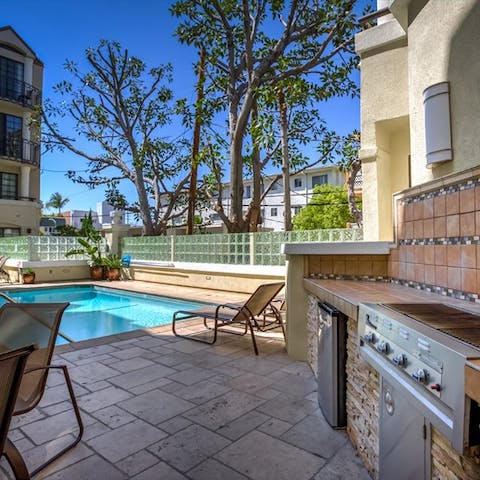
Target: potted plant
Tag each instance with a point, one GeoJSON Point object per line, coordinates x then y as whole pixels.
{"type": "Point", "coordinates": [28, 275]}
{"type": "Point", "coordinates": [113, 265]}
{"type": "Point", "coordinates": [90, 246]}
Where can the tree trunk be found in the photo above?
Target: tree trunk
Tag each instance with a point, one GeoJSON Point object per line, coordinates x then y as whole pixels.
{"type": "Point", "coordinates": [254, 217]}
{"type": "Point", "coordinates": [285, 159]}
{"type": "Point", "coordinates": [352, 201]}
{"type": "Point", "coordinates": [192, 192]}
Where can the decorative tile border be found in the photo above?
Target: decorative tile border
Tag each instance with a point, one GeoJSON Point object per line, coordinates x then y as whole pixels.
{"type": "Point", "coordinates": [442, 191]}
{"type": "Point", "coordinates": [444, 291]}
{"type": "Point", "coordinates": [363, 278]}
{"type": "Point", "coordinates": [473, 240]}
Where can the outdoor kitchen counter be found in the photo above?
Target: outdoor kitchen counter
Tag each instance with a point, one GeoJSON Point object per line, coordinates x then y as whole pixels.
{"type": "Point", "coordinates": [346, 295]}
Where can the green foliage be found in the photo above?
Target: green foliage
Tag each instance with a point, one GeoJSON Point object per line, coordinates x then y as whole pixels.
{"type": "Point", "coordinates": [112, 261]}
{"type": "Point", "coordinates": [57, 202]}
{"type": "Point", "coordinates": [90, 243]}
{"type": "Point", "coordinates": [328, 208]}
{"type": "Point", "coordinates": [67, 231]}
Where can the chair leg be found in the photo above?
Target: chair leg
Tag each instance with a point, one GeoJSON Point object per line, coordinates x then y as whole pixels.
{"type": "Point", "coordinates": [253, 336]}
{"type": "Point", "coordinates": [16, 462]}
{"type": "Point", "coordinates": [190, 337]}
{"type": "Point", "coordinates": [77, 415]}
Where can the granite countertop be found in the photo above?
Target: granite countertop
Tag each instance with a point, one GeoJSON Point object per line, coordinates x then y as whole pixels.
{"type": "Point", "coordinates": [346, 295]}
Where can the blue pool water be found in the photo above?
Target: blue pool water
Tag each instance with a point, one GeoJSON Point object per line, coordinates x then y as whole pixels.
{"type": "Point", "coordinates": [97, 311]}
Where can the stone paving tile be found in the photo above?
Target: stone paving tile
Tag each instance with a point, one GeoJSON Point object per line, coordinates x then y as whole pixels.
{"type": "Point", "coordinates": [200, 392]}
{"type": "Point", "coordinates": [113, 416]}
{"type": "Point", "coordinates": [171, 359]}
{"type": "Point", "coordinates": [103, 398]}
{"type": "Point", "coordinates": [206, 359]}
{"type": "Point", "coordinates": [315, 435]}
{"type": "Point", "coordinates": [345, 464]}
{"type": "Point", "coordinates": [174, 425]}
{"type": "Point", "coordinates": [87, 353]}
{"type": "Point", "coordinates": [30, 417]}
{"type": "Point", "coordinates": [189, 447]}
{"type": "Point", "coordinates": [131, 364]}
{"type": "Point", "coordinates": [259, 365]}
{"type": "Point", "coordinates": [297, 385]}
{"type": "Point", "coordinates": [261, 457]}
{"type": "Point", "coordinates": [223, 410]}
{"type": "Point", "coordinates": [274, 427]}
{"type": "Point", "coordinates": [147, 387]}
{"type": "Point", "coordinates": [249, 382]}
{"type": "Point", "coordinates": [124, 441]}
{"type": "Point", "coordinates": [59, 393]}
{"type": "Point", "coordinates": [95, 387]}
{"type": "Point", "coordinates": [136, 463]}
{"type": "Point", "coordinates": [91, 373]}
{"type": "Point", "coordinates": [41, 454]}
{"type": "Point", "coordinates": [161, 471]}
{"type": "Point", "coordinates": [56, 408]}
{"type": "Point", "coordinates": [92, 468]}
{"type": "Point", "coordinates": [188, 346]}
{"type": "Point", "coordinates": [130, 352]}
{"type": "Point", "coordinates": [156, 406]}
{"type": "Point", "coordinates": [142, 376]}
{"type": "Point", "coordinates": [289, 409]}
{"type": "Point", "coordinates": [212, 470]}
{"type": "Point", "coordinates": [191, 375]}
{"type": "Point", "coordinates": [94, 430]}
{"type": "Point", "coordinates": [49, 428]}
{"type": "Point", "coordinates": [246, 423]}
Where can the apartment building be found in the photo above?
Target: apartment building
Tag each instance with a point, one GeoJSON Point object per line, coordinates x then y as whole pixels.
{"type": "Point", "coordinates": [21, 75]}
{"type": "Point", "coordinates": [301, 191]}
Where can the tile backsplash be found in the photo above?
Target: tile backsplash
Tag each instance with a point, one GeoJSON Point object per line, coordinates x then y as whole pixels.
{"type": "Point", "coordinates": [438, 236]}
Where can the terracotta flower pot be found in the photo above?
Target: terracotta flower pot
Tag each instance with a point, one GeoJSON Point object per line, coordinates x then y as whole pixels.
{"type": "Point", "coordinates": [96, 273]}
{"type": "Point", "coordinates": [114, 274]}
{"type": "Point", "coordinates": [28, 277]}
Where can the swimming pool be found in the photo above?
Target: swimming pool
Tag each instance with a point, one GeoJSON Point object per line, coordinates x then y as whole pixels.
{"type": "Point", "coordinates": [99, 311]}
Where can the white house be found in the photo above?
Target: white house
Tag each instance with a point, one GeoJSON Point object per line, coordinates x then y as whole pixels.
{"type": "Point", "coordinates": [301, 187]}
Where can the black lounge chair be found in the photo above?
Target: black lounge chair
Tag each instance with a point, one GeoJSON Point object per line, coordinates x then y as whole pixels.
{"type": "Point", "coordinates": [246, 314]}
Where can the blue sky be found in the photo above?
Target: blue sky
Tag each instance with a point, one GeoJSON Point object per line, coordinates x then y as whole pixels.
{"type": "Point", "coordinates": [58, 30]}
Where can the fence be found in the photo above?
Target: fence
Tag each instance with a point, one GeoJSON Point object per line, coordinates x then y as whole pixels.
{"type": "Point", "coordinates": [37, 248]}
{"type": "Point", "coordinates": [262, 248]}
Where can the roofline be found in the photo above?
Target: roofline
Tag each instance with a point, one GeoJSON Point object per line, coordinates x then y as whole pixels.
{"type": "Point", "coordinates": [9, 27]}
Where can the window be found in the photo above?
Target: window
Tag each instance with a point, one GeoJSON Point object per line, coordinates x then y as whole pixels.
{"type": "Point", "coordinates": [273, 212]}
{"type": "Point", "coordinates": [11, 79]}
{"type": "Point", "coordinates": [297, 182]}
{"type": "Point", "coordinates": [9, 232]}
{"type": "Point", "coordinates": [319, 180]}
{"type": "Point", "coordinates": [276, 187]}
{"type": "Point", "coordinates": [248, 192]}
{"type": "Point", "coordinates": [296, 209]}
{"type": "Point", "coordinates": [8, 186]}
{"type": "Point", "coordinates": [10, 136]}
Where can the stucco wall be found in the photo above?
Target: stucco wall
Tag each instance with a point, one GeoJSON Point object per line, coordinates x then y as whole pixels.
{"type": "Point", "coordinates": [443, 45]}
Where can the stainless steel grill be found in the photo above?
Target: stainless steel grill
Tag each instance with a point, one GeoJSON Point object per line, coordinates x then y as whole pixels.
{"type": "Point", "coordinates": [421, 351]}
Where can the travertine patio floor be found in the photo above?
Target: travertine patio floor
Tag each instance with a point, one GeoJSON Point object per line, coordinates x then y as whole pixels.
{"type": "Point", "coordinates": [159, 407]}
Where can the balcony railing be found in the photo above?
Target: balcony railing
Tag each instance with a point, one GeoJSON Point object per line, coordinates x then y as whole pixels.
{"type": "Point", "coordinates": [19, 92]}
{"type": "Point", "coordinates": [20, 149]}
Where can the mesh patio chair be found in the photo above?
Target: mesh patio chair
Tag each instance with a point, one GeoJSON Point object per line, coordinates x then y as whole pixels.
{"type": "Point", "coordinates": [38, 323]}
{"type": "Point", "coordinates": [229, 314]}
{"type": "Point", "coordinates": [12, 366]}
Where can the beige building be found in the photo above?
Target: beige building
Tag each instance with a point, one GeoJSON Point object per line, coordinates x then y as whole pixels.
{"type": "Point", "coordinates": [21, 74]}
{"type": "Point", "coordinates": [420, 101]}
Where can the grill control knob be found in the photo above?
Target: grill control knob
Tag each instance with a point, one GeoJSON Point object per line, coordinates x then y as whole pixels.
{"type": "Point", "coordinates": [421, 376]}
{"type": "Point", "coordinates": [383, 347]}
{"type": "Point", "coordinates": [370, 337]}
{"type": "Point", "coordinates": [400, 360]}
